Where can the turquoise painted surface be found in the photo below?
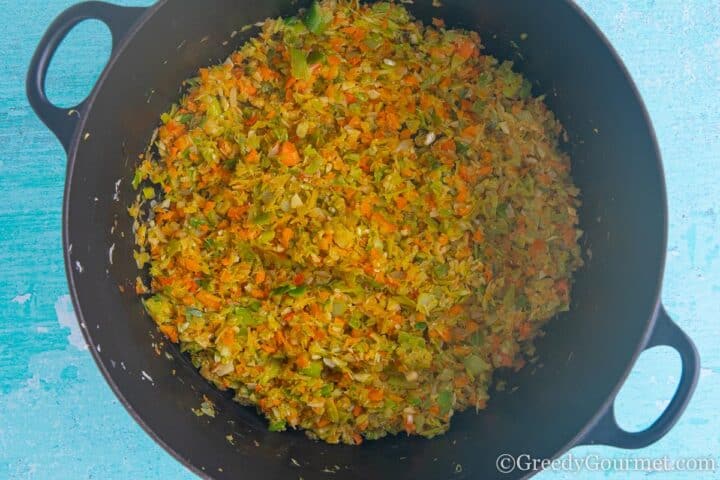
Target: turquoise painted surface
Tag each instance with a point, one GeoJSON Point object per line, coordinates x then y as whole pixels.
{"type": "Point", "coordinates": [58, 419]}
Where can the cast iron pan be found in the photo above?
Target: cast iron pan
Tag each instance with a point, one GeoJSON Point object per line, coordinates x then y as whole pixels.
{"type": "Point", "coordinates": [565, 401]}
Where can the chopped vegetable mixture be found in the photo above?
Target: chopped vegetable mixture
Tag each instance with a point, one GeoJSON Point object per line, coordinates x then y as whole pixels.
{"type": "Point", "coordinates": [354, 220]}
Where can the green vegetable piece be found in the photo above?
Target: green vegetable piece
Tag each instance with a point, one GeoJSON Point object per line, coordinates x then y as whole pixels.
{"type": "Point", "coordinates": [262, 218]}
{"type": "Point", "coordinates": [410, 340]}
{"type": "Point", "coordinates": [314, 19]}
{"type": "Point", "coordinates": [326, 390]}
{"type": "Point", "coordinates": [477, 339]}
{"type": "Point", "coordinates": [445, 401]}
{"type": "Point", "coordinates": [426, 303]}
{"type": "Point", "coordinates": [195, 222]}
{"type": "Point", "coordinates": [316, 56]}
{"type": "Point", "coordinates": [373, 41]}
{"type": "Point", "coordinates": [313, 370]}
{"type": "Point", "coordinates": [277, 426]}
{"type": "Point", "coordinates": [461, 147]}
{"type": "Point", "coordinates": [525, 89]}
{"type": "Point", "coordinates": [148, 193]}
{"type": "Point", "coordinates": [338, 308]}
{"type": "Point", "coordinates": [185, 118]}
{"type": "Point", "coordinates": [246, 317]}
{"type": "Point", "coordinates": [298, 64]}
{"type": "Point", "coordinates": [522, 301]}
{"type": "Point", "coordinates": [356, 322]}
{"type": "Point", "coordinates": [297, 291]}
{"type": "Point", "coordinates": [332, 410]}
{"type": "Point", "coordinates": [280, 290]}
{"type": "Point", "coordinates": [159, 308]}
{"type": "Point", "coordinates": [266, 237]}
{"type": "Point", "coordinates": [441, 269]}
{"type": "Point", "coordinates": [501, 210]}
{"type": "Point", "coordinates": [137, 179]}
{"type": "Point", "coordinates": [475, 365]}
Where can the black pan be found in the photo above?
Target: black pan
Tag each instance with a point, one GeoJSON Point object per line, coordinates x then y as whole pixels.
{"type": "Point", "coordinates": [587, 353]}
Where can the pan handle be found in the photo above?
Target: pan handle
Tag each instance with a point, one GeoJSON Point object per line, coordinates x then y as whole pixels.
{"type": "Point", "coordinates": [63, 121]}
{"type": "Point", "coordinates": [608, 432]}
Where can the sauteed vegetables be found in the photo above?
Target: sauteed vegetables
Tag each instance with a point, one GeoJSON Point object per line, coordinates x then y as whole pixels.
{"type": "Point", "coordinates": [354, 220]}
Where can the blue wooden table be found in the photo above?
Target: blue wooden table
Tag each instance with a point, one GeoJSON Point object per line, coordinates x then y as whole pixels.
{"type": "Point", "coordinates": [58, 418]}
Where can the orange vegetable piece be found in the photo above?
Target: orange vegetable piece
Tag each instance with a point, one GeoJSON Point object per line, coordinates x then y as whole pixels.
{"type": "Point", "coordinates": [170, 332]}
{"type": "Point", "coordinates": [285, 236]}
{"type": "Point", "coordinates": [375, 395]}
{"type": "Point", "coordinates": [289, 155]}
{"type": "Point", "coordinates": [190, 264]}
{"type": "Point", "coordinates": [209, 300]}
{"type": "Point", "coordinates": [252, 156]}
{"type": "Point", "coordinates": [465, 49]}
{"type": "Point", "coordinates": [537, 247]}
{"type": "Point", "coordinates": [401, 202]}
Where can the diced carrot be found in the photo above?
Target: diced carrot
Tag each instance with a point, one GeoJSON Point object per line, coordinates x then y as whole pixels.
{"type": "Point", "coordinates": [252, 156]}
{"type": "Point", "coordinates": [268, 348]}
{"type": "Point", "coordinates": [191, 285]}
{"type": "Point", "coordinates": [445, 334]}
{"type": "Point", "coordinates": [266, 73]}
{"type": "Point", "coordinates": [463, 210]}
{"type": "Point", "coordinates": [410, 80]}
{"type": "Point", "coordinates": [302, 361]}
{"type": "Point", "coordinates": [524, 330]}
{"type": "Point", "coordinates": [258, 293]}
{"type": "Point", "coordinates": [289, 155]}
{"type": "Point", "coordinates": [465, 49]}
{"type": "Point", "coordinates": [448, 145]}
{"type": "Point", "coordinates": [228, 337]}
{"type": "Point", "coordinates": [383, 223]}
{"type": "Point", "coordinates": [463, 193]}
{"type": "Point", "coordinates": [460, 381]}
{"type": "Point", "coordinates": [485, 170]}
{"type": "Point", "coordinates": [537, 247]}
{"type": "Point", "coordinates": [568, 236]}
{"type": "Point", "coordinates": [208, 207]}
{"type": "Point", "coordinates": [562, 286]}
{"type": "Point", "coordinates": [190, 264]}
{"type": "Point", "coordinates": [170, 332]}
{"type": "Point", "coordinates": [366, 207]}
{"type": "Point", "coordinates": [209, 300]}
{"type": "Point", "coordinates": [285, 236]}
{"type": "Point", "coordinates": [260, 276]}
{"type": "Point", "coordinates": [299, 279]}
{"type": "Point", "coordinates": [375, 395]}
{"type": "Point", "coordinates": [236, 213]}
